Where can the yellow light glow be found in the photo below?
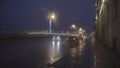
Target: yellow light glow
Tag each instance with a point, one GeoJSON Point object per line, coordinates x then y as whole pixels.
{"type": "Point", "coordinates": [53, 16]}
{"type": "Point", "coordinates": [96, 17]}
{"type": "Point", "coordinates": [73, 26]}
{"type": "Point", "coordinates": [80, 29]}
{"type": "Point", "coordinates": [103, 1]}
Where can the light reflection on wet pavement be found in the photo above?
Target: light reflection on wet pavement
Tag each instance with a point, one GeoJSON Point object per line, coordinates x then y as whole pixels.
{"type": "Point", "coordinates": [30, 53]}
{"type": "Point", "coordinates": [80, 56]}
{"type": "Point", "coordinates": [37, 53]}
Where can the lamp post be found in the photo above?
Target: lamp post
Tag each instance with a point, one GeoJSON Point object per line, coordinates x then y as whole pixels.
{"type": "Point", "coordinates": [51, 18]}
{"type": "Point", "coordinates": [73, 27]}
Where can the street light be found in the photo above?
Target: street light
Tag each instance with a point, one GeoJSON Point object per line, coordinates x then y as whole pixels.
{"type": "Point", "coordinates": [73, 27]}
{"type": "Point", "coordinates": [52, 18]}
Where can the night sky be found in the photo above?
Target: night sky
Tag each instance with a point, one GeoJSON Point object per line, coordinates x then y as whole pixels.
{"type": "Point", "coordinates": [18, 15]}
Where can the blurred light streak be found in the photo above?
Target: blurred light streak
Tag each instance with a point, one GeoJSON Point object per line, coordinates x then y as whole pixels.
{"type": "Point", "coordinates": [102, 6]}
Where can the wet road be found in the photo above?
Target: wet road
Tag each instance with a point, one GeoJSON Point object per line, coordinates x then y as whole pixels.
{"type": "Point", "coordinates": [46, 53]}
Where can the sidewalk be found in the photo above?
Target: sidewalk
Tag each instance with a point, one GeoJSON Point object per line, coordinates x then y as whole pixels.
{"type": "Point", "coordinates": [80, 56]}
{"type": "Point", "coordinates": [106, 57]}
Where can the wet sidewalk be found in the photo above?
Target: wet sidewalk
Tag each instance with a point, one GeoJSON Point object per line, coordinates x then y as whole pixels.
{"type": "Point", "coordinates": [106, 57]}
{"type": "Point", "coordinates": [81, 56]}
{"type": "Point", "coordinates": [88, 55]}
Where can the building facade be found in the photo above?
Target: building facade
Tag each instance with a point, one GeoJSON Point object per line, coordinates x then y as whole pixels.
{"type": "Point", "coordinates": [107, 22]}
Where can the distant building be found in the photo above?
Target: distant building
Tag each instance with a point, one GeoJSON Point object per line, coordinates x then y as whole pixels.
{"type": "Point", "coordinates": [108, 22]}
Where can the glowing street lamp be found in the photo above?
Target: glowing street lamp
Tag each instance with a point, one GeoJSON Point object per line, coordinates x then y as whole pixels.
{"type": "Point", "coordinates": [52, 18]}
{"type": "Point", "coordinates": [73, 26]}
